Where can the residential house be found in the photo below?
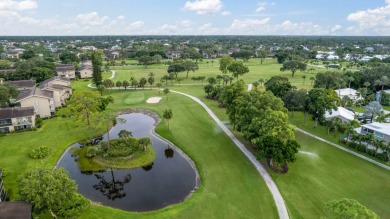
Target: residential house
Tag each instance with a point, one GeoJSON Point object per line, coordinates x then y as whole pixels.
{"type": "Point", "coordinates": [86, 69]}
{"type": "Point", "coordinates": [42, 101]}
{"type": "Point", "coordinates": [17, 209]}
{"type": "Point", "coordinates": [341, 113]}
{"type": "Point", "coordinates": [45, 98]}
{"type": "Point", "coordinates": [60, 87]}
{"type": "Point", "coordinates": [16, 118]}
{"type": "Point", "coordinates": [65, 70]}
{"type": "Point", "coordinates": [173, 54]}
{"type": "Point", "coordinates": [90, 48]}
{"type": "Point", "coordinates": [380, 130]}
{"type": "Point", "coordinates": [23, 84]}
{"type": "Point", "coordinates": [349, 92]}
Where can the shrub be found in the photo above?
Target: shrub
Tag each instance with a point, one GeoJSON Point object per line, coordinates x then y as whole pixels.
{"type": "Point", "coordinates": [40, 152]}
{"type": "Point", "coordinates": [38, 122]}
{"type": "Point", "coordinates": [91, 152]}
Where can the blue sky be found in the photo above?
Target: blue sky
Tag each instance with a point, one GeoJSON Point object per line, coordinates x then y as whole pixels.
{"type": "Point", "coordinates": [189, 17]}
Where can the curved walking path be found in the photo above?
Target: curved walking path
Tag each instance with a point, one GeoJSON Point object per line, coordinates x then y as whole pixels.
{"type": "Point", "coordinates": [279, 201]}
{"type": "Point", "coordinates": [344, 149]}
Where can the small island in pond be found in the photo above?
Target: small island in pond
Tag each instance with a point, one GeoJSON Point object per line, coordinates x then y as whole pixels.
{"type": "Point", "coordinates": [123, 153]}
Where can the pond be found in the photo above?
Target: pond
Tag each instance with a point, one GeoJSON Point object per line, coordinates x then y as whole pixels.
{"type": "Point", "coordinates": [169, 180]}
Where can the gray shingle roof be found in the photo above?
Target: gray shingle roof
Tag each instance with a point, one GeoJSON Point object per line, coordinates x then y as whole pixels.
{"type": "Point", "coordinates": [15, 210]}
{"type": "Point", "coordinates": [23, 83]}
{"type": "Point", "coordinates": [7, 113]}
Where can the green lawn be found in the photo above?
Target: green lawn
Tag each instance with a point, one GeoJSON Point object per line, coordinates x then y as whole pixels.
{"type": "Point", "coordinates": [56, 133]}
{"type": "Point", "coordinates": [257, 71]}
{"type": "Point", "coordinates": [329, 173]}
{"type": "Point", "coordinates": [230, 187]}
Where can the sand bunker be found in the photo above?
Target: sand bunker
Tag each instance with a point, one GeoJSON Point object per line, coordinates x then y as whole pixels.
{"type": "Point", "coordinates": [153, 100]}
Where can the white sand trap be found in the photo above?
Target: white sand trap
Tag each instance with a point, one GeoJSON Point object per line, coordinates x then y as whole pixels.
{"type": "Point", "coordinates": [308, 153]}
{"type": "Point", "coordinates": [153, 100]}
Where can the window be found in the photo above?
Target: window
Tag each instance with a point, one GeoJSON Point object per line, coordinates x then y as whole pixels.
{"type": "Point", "coordinates": [379, 135]}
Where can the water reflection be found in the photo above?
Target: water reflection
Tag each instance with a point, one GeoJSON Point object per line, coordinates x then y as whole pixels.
{"type": "Point", "coordinates": [168, 180]}
{"type": "Point", "coordinates": [169, 152]}
{"type": "Point", "coordinates": [113, 188]}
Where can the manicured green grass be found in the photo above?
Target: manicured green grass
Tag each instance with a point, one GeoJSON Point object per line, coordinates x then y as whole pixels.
{"type": "Point", "coordinates": [257, 71]}
{"type": "Point", "coordinates": [327, 174]}
{"type": "Point", "coordinates": [330, 174]}
{"type": "Point", "coordinates": [56, 133]}
{"type": "Point", "coordinates": [230, 187]}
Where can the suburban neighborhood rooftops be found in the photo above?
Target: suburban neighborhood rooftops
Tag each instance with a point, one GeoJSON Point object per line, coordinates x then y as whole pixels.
{"type": "Point", "coordinates": [6, 113]}
{"type": "Point", "coordinates": [341, 111]}
{"type": "Point", "coordinates": [15, 210]}
{"type": "Point", "coordinates": [34, 92]}
{"type": "Point", "coordinates": [383, 128]}
{"type": "Point", "coordinates": [23, 83]}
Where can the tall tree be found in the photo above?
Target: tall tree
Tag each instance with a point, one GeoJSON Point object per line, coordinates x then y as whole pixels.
{"type": "Point", "coordinates": [168, 115]}
{"type": "Point", "coordinates": [83, 105]}
{"type": "Point", "coordinates": [278, 85]}
{"type": "Point", "coordinates": [142, 82]}
{"type": "Point", "coordinates": [175, 69]}
{"type": "Point", "coordinates": [118, 84]}
{"type": "Point", "coordinates": [372, 109]}
{"type": "Point", "coordinates": [145, 60]}
{"type": "Point", "coordinates": [125, 84]}
{"type": "Point", "coordinates": [262, 55]}
{"type": "Point", "coordinates": [237, 69]}
{"type": "Point", "coordinates": [293, 66]}
{"type": "Point", "coordinates": [51, 189]}
{"type": "Point", "coordinates": [190, 66]}
{"type": "Point", "coordinates": [97, 61]}
{"type": "Point", "coordinates": [348, 208]}
{"type": "Point", "coordinates": [108, 83]}
{"type": "Point", "coordinates": [321, 100]}
{"type": "Point", "coordinates": [224, 63]}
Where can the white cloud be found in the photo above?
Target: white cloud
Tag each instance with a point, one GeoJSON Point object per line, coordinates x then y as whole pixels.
{"type": "Point", "coordinates": [29, 20]}
{"type": "Point", "coordinates": [248, 23]}
{"type": "Point", "coordinates": [226, 13]}
{"type": "Point", "coordinates": [336, 28]}
{"type": "Point", "coordinates": [136, 25]}
{"type": "Point", "coordinates": [168, 29]}
{"type": "Point", "coordinates": [204, 6]}
{"type": "Point", "coordinates": [371, 20]}
{"type": "Point", "coordinates": [8, 14]}
{"type": "Point", "coordinates": [260, 9]}
{"type": "Point", "coordinates": [186, 23]}
{"type": "Point", "coordinates": [121, 17]}
{"type": "Point", "coordinates": [303, 28]}
{"type": "Point", "coordinates": [14, 5]}
{"type": "Point", "coordinates": [209, 29]}
{"type": "Point", "coordinates": [91, 19]}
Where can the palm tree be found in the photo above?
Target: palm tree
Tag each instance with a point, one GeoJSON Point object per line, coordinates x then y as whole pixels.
{"type": "Point", "coordinates": [350, 79]}
{"type": "Point", "coordinates": [304, 78]}
{"type": "Point", "coordinates": [373, 108]}
{"type": "Point", "coordinates": [367, 84]}
{"type": "Point", "coordinates": [377, 143]}
{"type": "Point", "coordinates": [261, 81]}
{"type": "Point", "coordinates": [168, 115]}
{"type": "Point", "coordinates": [312, 80]}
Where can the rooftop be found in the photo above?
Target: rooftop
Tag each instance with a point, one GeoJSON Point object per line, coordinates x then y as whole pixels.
{"type": "Point", "coordinates": [7, 113]}
{"type": "Point", "coordinates": [23, 83]}
{"type": "Point", "coordinates": [379, 127]}
{"type": "Point", "coordinates": [15, 210]}
{"type": "Point", "coordinates": [341, 111]}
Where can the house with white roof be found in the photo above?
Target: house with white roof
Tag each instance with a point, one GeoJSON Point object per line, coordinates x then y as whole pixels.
{"type": "Point", "coordinates": [380, 130]}
{"type": "Point", "coordinates": [349, 92]}
{"type": "Point", "coordinates": [342, 113]}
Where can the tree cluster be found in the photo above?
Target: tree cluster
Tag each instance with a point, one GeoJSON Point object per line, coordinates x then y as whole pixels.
{"type": "Point", "coordinates": [263, 120]}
